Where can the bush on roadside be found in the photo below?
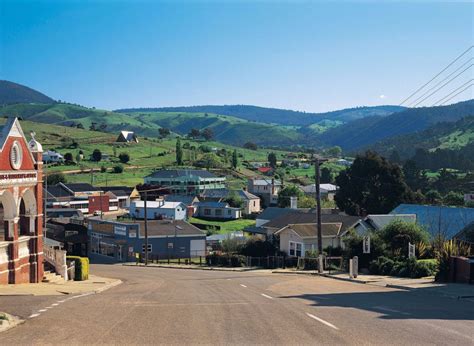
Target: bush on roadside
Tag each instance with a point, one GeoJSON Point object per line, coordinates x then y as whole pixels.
{"type": "Point", "coordinates": [410, 267]}
{"type": "Point", "coordinates": [81, 267]}
{"type": "Point", "coordinates": [225, 260]}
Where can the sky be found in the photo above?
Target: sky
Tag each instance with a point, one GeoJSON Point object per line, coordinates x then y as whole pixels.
{"type": "Point", "coordinates": [304, 55]}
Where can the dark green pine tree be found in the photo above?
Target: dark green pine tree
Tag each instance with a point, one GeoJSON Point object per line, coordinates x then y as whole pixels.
{"type": "Point", "coordinates": [179, 153]}
{"type": "Point", "coordinates": [235, 160]}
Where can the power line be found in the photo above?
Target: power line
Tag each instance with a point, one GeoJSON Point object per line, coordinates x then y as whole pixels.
{"type": "Point", "coordinates": [452, 92]}
{"type": "Point", "coordinates": [439, 73]}
{"type": "Point", "coordinates": [457, 94]}
{"type": "Point", "coordinates": [442, 86]}
{"type": "Point", "coordinates": [426, 92]}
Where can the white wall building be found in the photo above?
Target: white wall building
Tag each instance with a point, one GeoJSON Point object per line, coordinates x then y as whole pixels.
{"type": "Point", "coordinates": [158, 210]}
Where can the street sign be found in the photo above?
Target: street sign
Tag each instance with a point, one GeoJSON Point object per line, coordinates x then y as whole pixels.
{"type": "Point", "coordinates": [411, 250]}
{"type": "Point", "coordinates": [366, 244]}
{"type": "Point", "coordinates": [170, 245]}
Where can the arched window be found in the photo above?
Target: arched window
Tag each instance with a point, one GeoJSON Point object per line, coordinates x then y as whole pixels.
{"type": "Point", "coordinates": [24, 222]}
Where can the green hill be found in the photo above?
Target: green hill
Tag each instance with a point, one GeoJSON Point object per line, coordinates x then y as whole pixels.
{"type": "Point", "coordinates": [275, 115]}
{"type": "Point", "coordinates": [451, 136]}
{"type": "Point", "coordinates": [226, 129]}
{"type": "Point", "coordinates": [16, 93]}
{"type": "Point", "coordinates": [72, 115]}
{"type": "Point", "coordinates": [368, 131]}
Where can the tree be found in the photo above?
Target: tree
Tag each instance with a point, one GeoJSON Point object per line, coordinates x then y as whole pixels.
{"type": "Point", "coordinates": [207, 133]}
{"type": "Point", "coordinates": [306, 202]}
{"type": "Point", "coordinates": [371, 185]}
{"type": "Point", "coordinates": [211, 160]}
{"type": "Point", "coordinates": [272, 160]}
{"type": "Point", "coordinates": [397, 234]}
{"type": "Point", "coordinates": [454, 198]}
{"type": "Point", "coordinates": [281, 174]}
{"type": "Point", "coordinates": [394, 157]}
{"type": "Point", "coordinates": [251, 146]}
{"type": "Point", "coordinates": [179, 153]}
{"type": "Point", "coordinates": [194, 133]}
{"type": "Point", "coordinates": [335, 151]}
{"type": "Point", "coordinates": [235, 160]}
{"type": "Point", "coordinates": [164, 132]}
{"type": "Point", "coordinates": [433, 197]}
{"type": "Point", "coordinates": [287, 192]}
{"type": "Point", "coordinates": [124, 157]}
{"type": "Point", "coordinates": [118, 169]}
{"type": "Point", "coordinates": [68, 158]}
{"type": "Point", "coordinates": [326, 177]}
{"type": "Point", "coordinates": [80, 126]}
{"type": "Point", "coordinates": [234, 200]}
{"type": "Point", "coordinates": [96, 155]}
{"type": "Point", "coordinates": [55, 178]}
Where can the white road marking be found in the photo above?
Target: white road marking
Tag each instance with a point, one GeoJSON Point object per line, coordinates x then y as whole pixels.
{"type": "Point", "coordinates": [228, 279]}
{"type": "Point", "coordinates": [243, 285]}
{"type": "Point", "coordinates": [266, 296]}
{"type": "Point", "coordinates": [322, 321]}
{"type": "Point", "coordinates": [384, 308]}
{"type": "Point", "coordinates": [34, 315]}
{"type": "Point", "coordinates": [42, 310]}
{"type": "Point", "coordinates": [61, 301]}
{"type": "Point", "coordinates": [55, 304]}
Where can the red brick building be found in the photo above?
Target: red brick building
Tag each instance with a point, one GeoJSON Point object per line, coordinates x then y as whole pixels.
{"type": "Point", "coordinates": [21, 207]}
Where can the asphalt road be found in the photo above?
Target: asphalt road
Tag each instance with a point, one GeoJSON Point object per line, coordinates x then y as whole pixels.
{"type": "Point", "coordinates": [172, 306]}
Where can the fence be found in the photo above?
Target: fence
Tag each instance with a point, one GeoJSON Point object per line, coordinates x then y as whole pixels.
{"type": "Point", "coordinates": [57, 258]}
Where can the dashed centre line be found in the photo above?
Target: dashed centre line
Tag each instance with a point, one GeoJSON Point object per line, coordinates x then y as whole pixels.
{"type": "Point", "coordinates": [266, 296]}
{"type": "Point", "coordinates": [322, 321]}
{"type": "Point", "coordinates": [243, 285]}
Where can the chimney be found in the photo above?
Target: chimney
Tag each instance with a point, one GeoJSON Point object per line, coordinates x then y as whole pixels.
{"type": "Point", "coordinates": [294, 202]}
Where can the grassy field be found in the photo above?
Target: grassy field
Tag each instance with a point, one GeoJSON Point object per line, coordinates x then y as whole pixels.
{"type": "Point", "coordinates": [148, 154]}
{"type": "Point", "coordinates": [226, 226]}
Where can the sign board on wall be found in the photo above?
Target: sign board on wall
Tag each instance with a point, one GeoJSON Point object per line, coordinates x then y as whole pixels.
{"type": "Point", "coordinates": [18, 178]}
{"type": "Point", "coordinates": [120, 230]}
{"type": "Point", "coordinates": [366, 244]}
{"type": "Point", "coordinates": [132, 233]}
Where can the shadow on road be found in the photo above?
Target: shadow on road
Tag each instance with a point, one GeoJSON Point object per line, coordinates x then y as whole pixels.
{"type": "Point", "coordinates": [423, 304]}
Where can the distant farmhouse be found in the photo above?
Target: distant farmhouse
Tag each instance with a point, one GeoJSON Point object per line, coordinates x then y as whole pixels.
{"type": "Point", "coordinates": [127, 137]}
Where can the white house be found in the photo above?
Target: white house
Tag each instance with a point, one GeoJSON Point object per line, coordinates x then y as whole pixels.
{"type": "Point", "coordinates": [217, 210]}
{"type": "Point", "coordinates": [52, 157]}
{"type": "Point", "coordinates": [296, 239]}
{"type": "Point", "coordinates": [158, 210]}
{"type": "Point", "coordinates": [327, 190]}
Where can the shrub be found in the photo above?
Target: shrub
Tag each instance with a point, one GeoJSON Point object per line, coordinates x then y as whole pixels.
{"type": "Point", "coordinates": [96, 155]}
{"type": "Point", "coordinates": [225, 260]}
{"type": "Point", "coordinates": [103, 169]}
{"type": "Point", "coordinates": [55, 178]}
{"type": "Point", "coordinates": [257, 248]}
{"type": "Point", "coordinates": [81, 267]}
{"type": "Point", "coordinates": [124, 157]}
{"type": "Point", "coordinates": [118, 169]}
{"type": "Point", "coordinates": [410, 267]}
{"type": "Point", "coordinates": [397, 234]}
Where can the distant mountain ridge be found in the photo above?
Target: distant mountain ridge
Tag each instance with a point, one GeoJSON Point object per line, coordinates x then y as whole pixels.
{"type": "Point", "coordinates": [11, 93]}
{"type": "Point", "coordinates": [276, 115]}
{"type": "Point", "coordinates": [367, 131]}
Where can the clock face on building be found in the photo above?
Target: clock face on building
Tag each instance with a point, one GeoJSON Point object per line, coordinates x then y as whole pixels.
{"type": "Point", "coordinates": [16, 155]}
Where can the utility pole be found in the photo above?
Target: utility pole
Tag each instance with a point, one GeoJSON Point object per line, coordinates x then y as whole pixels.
{"type": "Point", "coordinates": [146, 227]}
{"type": "Point", "coordinates": [318, 161]}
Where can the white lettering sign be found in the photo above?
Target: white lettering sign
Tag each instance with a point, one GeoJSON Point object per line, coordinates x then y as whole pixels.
{"type": "Point", "coordinates": [366, 245]}
{"type": "Point", "coordinates": [120, 230]}
{"type": "Point", "coordinates": [411, 250]}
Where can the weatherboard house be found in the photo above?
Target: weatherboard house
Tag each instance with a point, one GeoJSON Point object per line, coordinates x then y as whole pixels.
{"type": "Point", "coordinates": [21, 207]}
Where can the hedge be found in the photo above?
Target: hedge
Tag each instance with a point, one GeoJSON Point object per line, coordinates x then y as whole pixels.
{"type": "Point", "coordinates": [403, 267]}
{"type": "Point", "coordinates": [81, 267]}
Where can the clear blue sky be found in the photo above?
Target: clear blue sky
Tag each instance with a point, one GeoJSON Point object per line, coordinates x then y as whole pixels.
{"type": "Point", "coordinates": [312, 56]}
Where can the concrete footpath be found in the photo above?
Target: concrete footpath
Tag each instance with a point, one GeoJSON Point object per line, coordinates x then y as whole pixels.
{"type": "Point", "coordinates": [8, 321]}
{"type": "Point", "coordinates": [94, 284]}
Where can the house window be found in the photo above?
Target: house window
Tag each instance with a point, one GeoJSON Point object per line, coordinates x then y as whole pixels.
{"type": "Point", "coordinates": [149, 248]}
{"type": "Point", "coordinates": [296, 249]}
{"type": "Point", "coordinates": [229, 212]}
{"type": "Point", "coordinates": [254, 203]}
{"type": "Point", "coordinates": [207, 212]}
{"type": "Point", "coordinates": [218, 212]}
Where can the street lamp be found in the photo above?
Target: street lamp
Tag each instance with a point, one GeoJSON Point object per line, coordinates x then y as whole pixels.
{"type": "Point", "coordinates": [317, 163]}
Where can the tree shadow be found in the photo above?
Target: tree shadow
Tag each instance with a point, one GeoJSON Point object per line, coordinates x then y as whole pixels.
{"type": "Point", "coordinates": [420, 303]}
